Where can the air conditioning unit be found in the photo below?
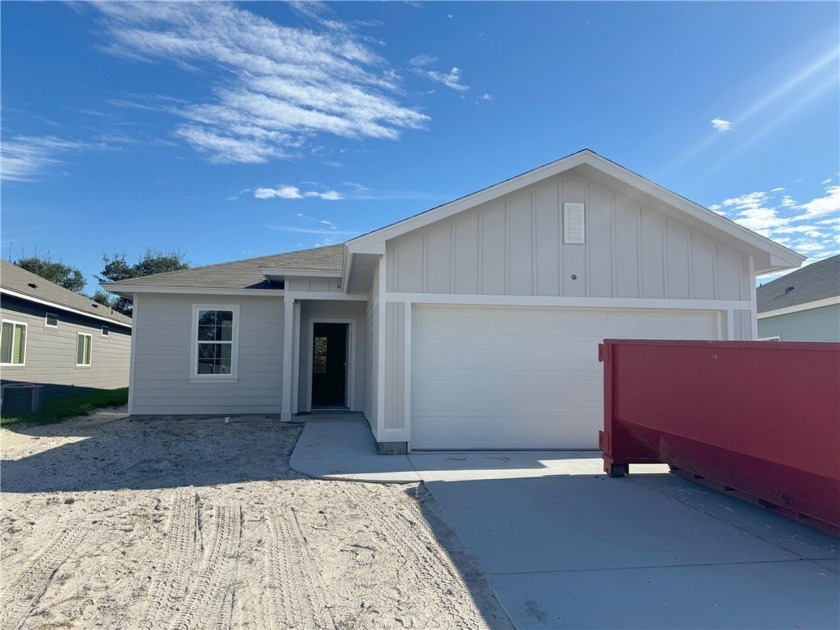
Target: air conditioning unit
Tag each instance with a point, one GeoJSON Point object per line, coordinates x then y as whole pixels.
{"type": "Point", "coordinates": [21, 398]}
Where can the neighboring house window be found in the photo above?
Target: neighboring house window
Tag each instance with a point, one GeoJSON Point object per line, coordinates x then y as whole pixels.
{"type": "Point", "coordinates": [51, 320]}
{"type": "Point", "coordinates": [105, 331]}
{"type": "Point", "coordinates": [215, 341]}
{"type": "Point", "coordinates": [83, 346]}
{"type": "Point", "coordinates": [13, 343]}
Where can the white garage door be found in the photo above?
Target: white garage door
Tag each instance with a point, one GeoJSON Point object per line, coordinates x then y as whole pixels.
{"type": "Point", "coordinates": [498, 377]}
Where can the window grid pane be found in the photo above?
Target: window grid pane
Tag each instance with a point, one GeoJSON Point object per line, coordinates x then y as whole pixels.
{"type": "Point", "coordinates": [214, 342]}
{"type": "Point", "coordinates": [19, 345]}
{"type": "Point", "coordinates": [83, 350]}
{"type": "Point", "coordinates": [6, 344]}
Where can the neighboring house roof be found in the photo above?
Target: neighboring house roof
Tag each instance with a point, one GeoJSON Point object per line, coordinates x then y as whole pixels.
{"type": "Point", "coordinates": [818, 282]}
{"type": "Point", "coordinates": [18, 282]}
{"type": "Point", "coordinates": [768, 255]}
{"type": "Point", "coordinates": [240, 274]}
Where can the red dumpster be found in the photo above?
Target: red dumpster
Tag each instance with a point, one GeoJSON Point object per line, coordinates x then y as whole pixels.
{"type": "Point", "coordinates": [757, 419]}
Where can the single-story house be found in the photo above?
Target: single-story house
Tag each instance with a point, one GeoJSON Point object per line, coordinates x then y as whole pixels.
{"type": "Point", "coordinates": [803, 305]}
{"type": "Point", "coordinates": [473, 325]}
{"type": "Point", "coordinates": [59, 339]}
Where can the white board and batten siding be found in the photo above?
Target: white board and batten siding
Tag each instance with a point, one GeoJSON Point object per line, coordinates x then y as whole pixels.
{"type": "Point", "coordinates": [509, 260]}
{"type": "Point", "coordinates": [163, 349]}
{"type": "Point", "coordinates": [515, 245]}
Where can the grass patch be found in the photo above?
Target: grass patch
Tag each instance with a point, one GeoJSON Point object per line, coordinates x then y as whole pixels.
{"type": "Point", "coordinates": [58, 409]}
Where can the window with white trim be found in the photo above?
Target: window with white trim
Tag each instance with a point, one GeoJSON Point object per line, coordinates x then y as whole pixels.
{"type": "Point", "coordinates": [84, 343]}
{"type": "Point", "coordinates": [215, 341]}
{"type": "Point", "coordinates": [51, 320]}
{"type": "Point", "coordinates": [105, 331]}
{"type": "Point", "coordinates": [13, 343]}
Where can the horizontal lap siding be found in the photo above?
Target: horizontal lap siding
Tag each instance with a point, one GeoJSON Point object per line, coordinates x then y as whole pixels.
{"type": "Point", "coordinates": [163, 325]}
{"type": "Point", "coordinates": [514, 246]}
{"type": "Point", "coordinates": [51, 352]}
{"type": "Point", "coordinates": [819, 324]}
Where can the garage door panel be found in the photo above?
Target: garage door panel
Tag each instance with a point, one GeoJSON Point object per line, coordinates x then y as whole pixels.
{"type": "Point", "coordinates": [517, 377]}
{"type": "Point", "coordinates": [587, 324]}
{"type": "Point", "coordinates": [512, 324]}
{"type": "Point", "coordinates": [433, 357]}
{"type": "Point", "coordinates": [471, 355]}
{"type": "Point", "coordinates": [434, 394]}
{"type": "Point", "coordinates": [515, 357]}
{"type": "Point", "coordinates": [696, 327]}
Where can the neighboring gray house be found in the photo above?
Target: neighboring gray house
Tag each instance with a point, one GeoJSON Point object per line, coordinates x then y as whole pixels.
{"type": "Point", "coordinates": [57, 338]}
{"type": "Point", "coordinates": [473, 325]}
{"type": "Point", "coordinates": [803, 305]}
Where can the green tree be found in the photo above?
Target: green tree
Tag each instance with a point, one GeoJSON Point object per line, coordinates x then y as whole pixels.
{"type": "Point", "coordinates": [63, 275]}
{"type": "Point", "coordinates": [116, 268]}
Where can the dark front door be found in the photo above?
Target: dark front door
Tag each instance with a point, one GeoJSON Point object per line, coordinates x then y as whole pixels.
{"type": "Point", "coordinates": [329, 365]}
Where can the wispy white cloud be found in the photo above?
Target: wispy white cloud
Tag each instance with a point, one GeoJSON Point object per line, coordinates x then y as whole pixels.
{"type": "Point", "coordinates": [486, 97]}
{"type": "Point", "coordinates": [276, 86]}
{"type": "Point", "coordinates": [810, 227]}
{"type": "Point", "coordinates": [720, 124]}
{"type": "Point", "coordinates": [293, 192]}
{"type": "Point", "coordinates": [820, 206]}
{"type": "Point", "coordinates": [451, 79]}
{"type": "Point", "coordinates": [26, 159]}
{"type": "Point", "coordinates": [421, 61]}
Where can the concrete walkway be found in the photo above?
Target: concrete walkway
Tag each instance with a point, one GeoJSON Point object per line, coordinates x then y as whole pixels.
{"type": "Point", "coordinates": [565, 546]}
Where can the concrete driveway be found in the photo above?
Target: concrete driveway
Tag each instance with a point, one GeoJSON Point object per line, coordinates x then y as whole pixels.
{"type": "Point", "coordinates": [564, 546]}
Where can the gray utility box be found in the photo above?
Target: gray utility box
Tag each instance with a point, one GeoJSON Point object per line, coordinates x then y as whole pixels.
{"type": "Point", "coordinates": [20, 398]}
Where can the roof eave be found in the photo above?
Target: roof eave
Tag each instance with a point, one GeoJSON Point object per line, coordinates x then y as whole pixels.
{"type": "Point", "coordinates": [63, 307]}
{"type": "Point", "coordinates": [128, 291]}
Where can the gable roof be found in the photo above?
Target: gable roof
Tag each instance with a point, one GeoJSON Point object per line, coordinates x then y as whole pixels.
{"type": "Point", "coordinates": [18, 282]}
{"type": "Point", "coordinates": [238, 274]}
{"type": "Point", "coordinates": [768, 255]}
{"type": "Point", "coordinates": [818, 281]}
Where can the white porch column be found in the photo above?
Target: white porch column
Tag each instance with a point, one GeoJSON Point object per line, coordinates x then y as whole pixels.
{"type": "Point", "coordinates": [288, 346]}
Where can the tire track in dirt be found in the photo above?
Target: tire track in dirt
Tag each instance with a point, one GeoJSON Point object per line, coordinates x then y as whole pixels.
{"type": "Point", "coordinates": [208, 600]}
{"type": "Point", "coordinates": [415, 543]}
{"type": "Point", "coordinates": [178, 555]}
{"type": "Point", "coordinates": [22, 593]}
{"type": "Point", "coordinates": [294, 596]}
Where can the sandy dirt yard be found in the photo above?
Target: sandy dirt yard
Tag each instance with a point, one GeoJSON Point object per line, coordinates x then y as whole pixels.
{"type": "Point", "coordinates": [111, 523]}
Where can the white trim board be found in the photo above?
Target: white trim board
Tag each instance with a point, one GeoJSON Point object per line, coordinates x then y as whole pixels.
{"type": "Point", "coordinates": [125, 289]}
{"type": "Point", "coordinates": [299, 273]}
{"type": "Point", "coordinates": [568, 302]}
{"type": "Point", "coordinates": [69, 309]}
{"type": "Point", "coordinates": [797, 308]}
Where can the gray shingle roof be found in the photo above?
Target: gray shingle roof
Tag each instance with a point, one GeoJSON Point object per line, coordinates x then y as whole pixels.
{"type": "Point", "coordinates": [243, 274]}
{"type": "Point", "coordinates": [817, 281]}
{"type": "Point", "coordinates": [20, 280]}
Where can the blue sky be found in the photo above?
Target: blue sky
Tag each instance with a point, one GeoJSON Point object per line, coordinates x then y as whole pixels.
{"type": "Point", "coordinates": [237, 130]}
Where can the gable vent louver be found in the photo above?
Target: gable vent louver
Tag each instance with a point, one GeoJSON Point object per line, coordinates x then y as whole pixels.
{"type": "Point", "coordinates": [573, 223]}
